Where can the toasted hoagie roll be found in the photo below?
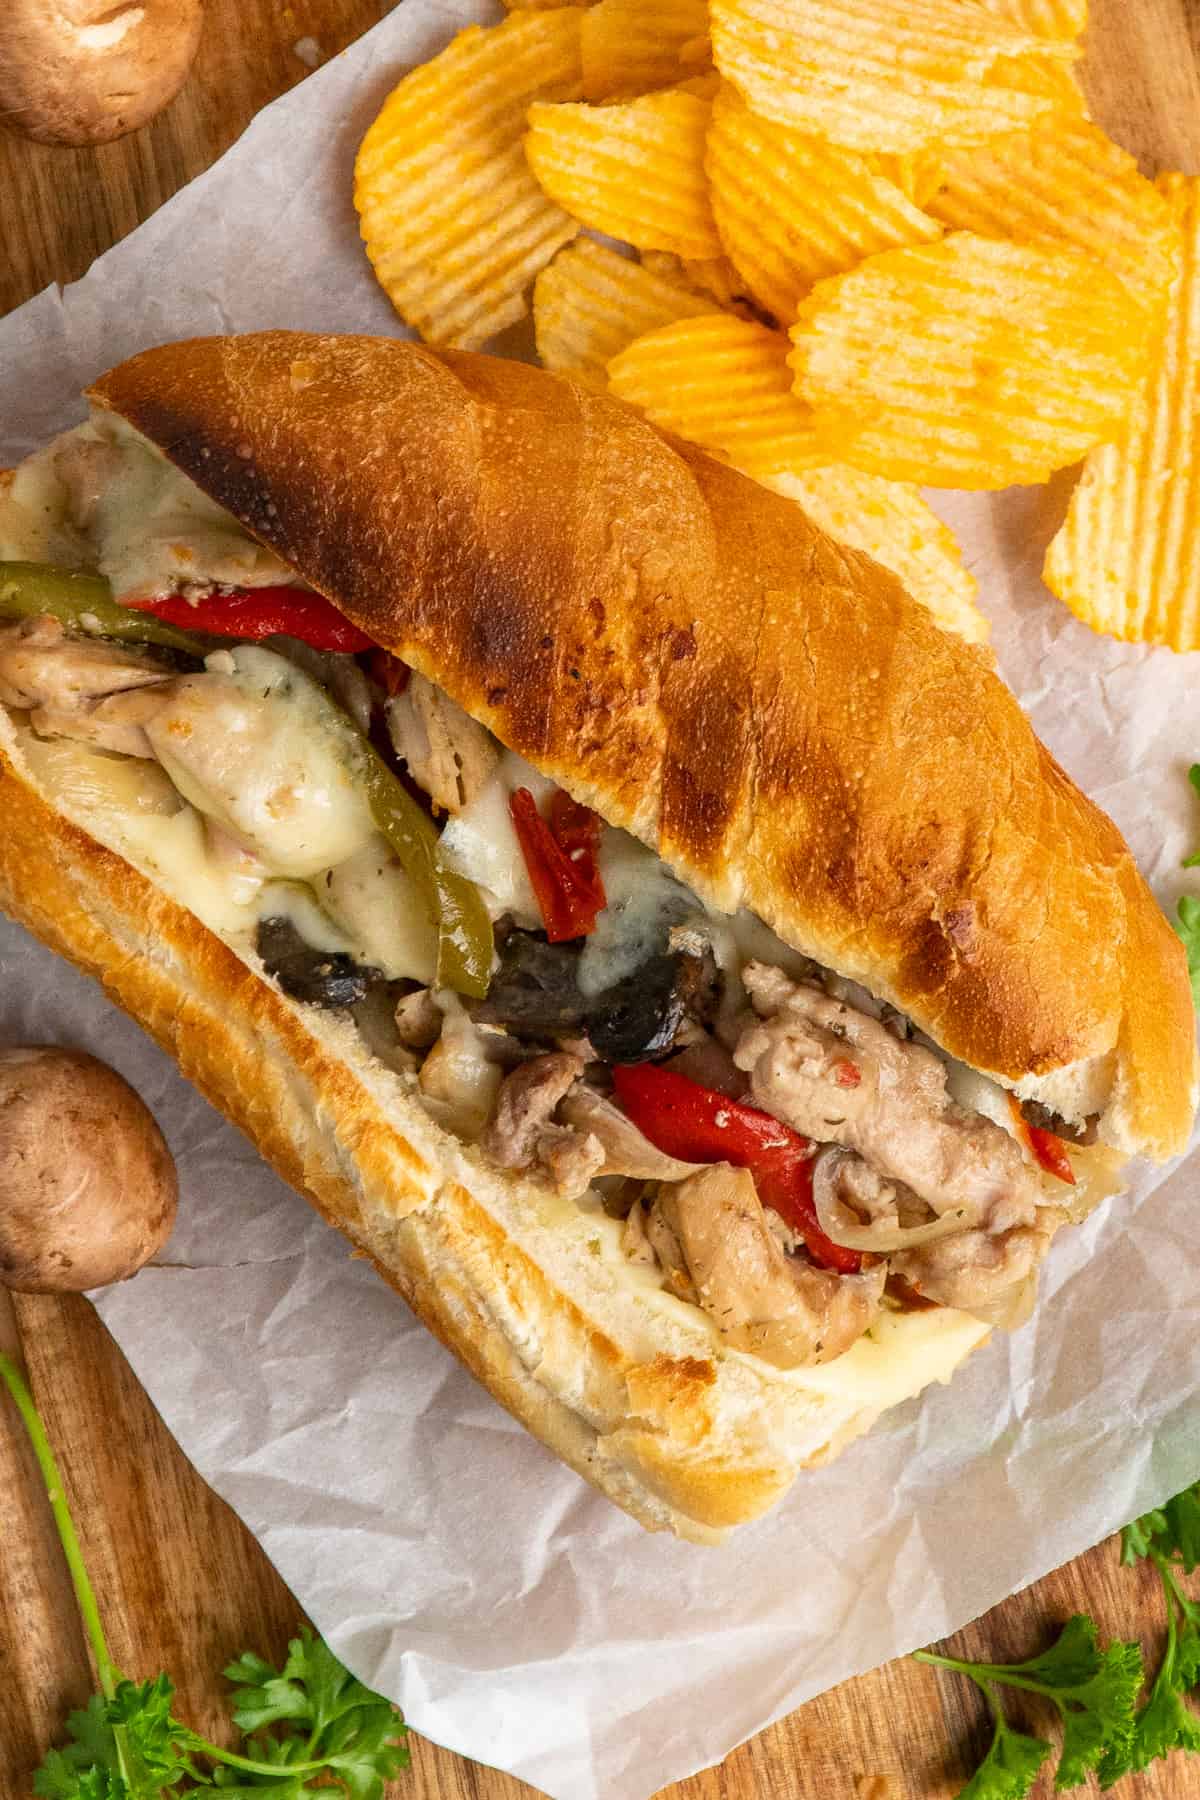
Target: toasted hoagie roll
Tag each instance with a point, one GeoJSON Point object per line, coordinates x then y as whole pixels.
{"type": "Point", "coordinates": [622, 912]}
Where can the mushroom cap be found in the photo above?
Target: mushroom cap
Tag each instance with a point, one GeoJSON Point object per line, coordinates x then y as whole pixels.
{"type": "Point", "coordinates": [88, 71]}
{"type": "Point", "coordinates": [88, 1188]}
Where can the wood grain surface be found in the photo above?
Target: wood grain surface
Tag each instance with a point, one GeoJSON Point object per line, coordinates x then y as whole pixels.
{"type": "Point", "coordinates": [181, 1584]}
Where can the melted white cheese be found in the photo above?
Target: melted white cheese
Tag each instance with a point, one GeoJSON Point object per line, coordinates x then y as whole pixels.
{"type": "Point", "coordinates": [103, 497]}
{"type": "Point", "coordinates": [250, 749]}
{"type": "Point", "coordinates": [644, 900]}
{"type": "Point", "coordinates": [34, 526]}
{"type": "Point", "coordinates": [481, 841]}
{"type": "Point", "coordinates": [373, 899]}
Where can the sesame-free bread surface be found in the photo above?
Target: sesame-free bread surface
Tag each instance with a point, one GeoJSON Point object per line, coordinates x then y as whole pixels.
{"type": "Point", "coordinates": [687, 653]}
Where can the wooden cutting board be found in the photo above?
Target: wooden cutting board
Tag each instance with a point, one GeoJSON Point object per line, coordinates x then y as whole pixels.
{"type": "Point", "coordinates": [182, 1585]}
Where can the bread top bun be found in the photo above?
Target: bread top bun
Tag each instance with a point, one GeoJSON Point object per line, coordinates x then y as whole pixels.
{"type": "Point", "coordinates": [686, 653]}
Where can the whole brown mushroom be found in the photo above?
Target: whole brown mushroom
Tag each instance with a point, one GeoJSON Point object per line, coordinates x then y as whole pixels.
{"type": "Point", "coordinates": [88, 71]}
{"type": "Point", "coordinates": [87, 1185]}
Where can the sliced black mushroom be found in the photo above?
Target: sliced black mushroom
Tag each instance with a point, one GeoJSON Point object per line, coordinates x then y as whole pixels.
{"type": "Point", "coordinates": [326, 978]}
{"type": "Point", "coordinates": [536, 993]}
{"type": "Point", "coordinates": [638, 1018]}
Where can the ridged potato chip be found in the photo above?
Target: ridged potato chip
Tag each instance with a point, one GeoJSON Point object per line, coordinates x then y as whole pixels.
{"type": "Point", "coordinates": [1049, 78]}
{"type": "Point", "coordinates": [452, 218]}
{"type": "Point", "coordinates": [1127, 559]}
{"type": "Point", "coordinates": [876, 76]}
{"type": "Point", "coordinates": [1048, 18]}
{"type": "Point", "coordinates": [1070, 185]}
{"type": "Point", "coordinates": [888, 520]}
{"type": "Point", "coordinates": [917, 173]}
{"type": "Point", "coordinates": [723, 383]}
{"type": "Point", "coordinates": [590, 303]}
{"type": "Point", "coordinates": [715, 277]}
{"type": "Point", "coordinates": [790, 208]}
{"type": "Point", "coordinates": [634, 170]}
{"type": "Point", "coordinates": [543, 5]}
{"type": "Point", "coordinates": [629, 47]}
{"type": "Point", "coordinates": [969, 363]}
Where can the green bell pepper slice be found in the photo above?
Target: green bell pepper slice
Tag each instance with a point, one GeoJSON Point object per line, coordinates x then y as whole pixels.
{"type": "Point", "coordinates": [85, 603]}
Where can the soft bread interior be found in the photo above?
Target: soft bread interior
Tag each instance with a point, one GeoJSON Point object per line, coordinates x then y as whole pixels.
{"type": "Point", "coordinates": [631, 1386]}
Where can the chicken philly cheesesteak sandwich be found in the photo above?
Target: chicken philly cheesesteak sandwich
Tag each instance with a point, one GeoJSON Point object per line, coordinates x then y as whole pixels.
{"type": "Point", "coordinates": [623, 912]}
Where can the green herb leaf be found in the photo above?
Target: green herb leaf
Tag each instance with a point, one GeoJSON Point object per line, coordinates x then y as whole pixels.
{"type": "Point", "coordinates": [1010, 1768]}
{"type": "Point", "coordinates": [327, 1715]}
{"type": "Point", "coordinates": [1166, 1722]}
{"type": "Point", "coordinates": [65, 1783]}
{"type": "Point", "coordinates": [92, 1750]}
{"type": "Point", "coordinates": [62, 1778]}
{"type": "Point", "coordinates": [1179, 1535]}
{"type": "Point", "coordinates": [1138, 1539]}
{"type": "Point", "coordinates": [1099, 1713]}
{"type": "Point", "coordinates": [155, 1742]}
{"type": "Point", "coordinates": [1095, 1691]}
{"type": "Point", "coordinates": [1188, 927]}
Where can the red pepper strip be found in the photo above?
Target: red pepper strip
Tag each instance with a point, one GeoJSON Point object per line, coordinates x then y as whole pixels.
{"type": "Point", "coordinates": [569, 893]}
{"type": "Point", "coordinates": [1045, 1147]}
{"type": "Point", "coordinates": [577, 829]}
{"type": "Point", "coordinates": [259, 613]}
{"type": "Point", "coordinates": [683, 1119]}
{"type": "Point", "coordinates": [1051, 1153]}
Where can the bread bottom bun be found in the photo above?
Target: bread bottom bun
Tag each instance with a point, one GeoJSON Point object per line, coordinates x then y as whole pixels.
{"type": "Point", "coordinates": [627, 1384]}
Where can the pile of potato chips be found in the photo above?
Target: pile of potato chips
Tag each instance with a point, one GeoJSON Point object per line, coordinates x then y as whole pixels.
{"type": "Point", "coordinates": [861, 248]}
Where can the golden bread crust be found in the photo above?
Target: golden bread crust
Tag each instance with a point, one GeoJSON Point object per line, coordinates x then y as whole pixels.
{"type": "Point", "coordinates": [687, 653]}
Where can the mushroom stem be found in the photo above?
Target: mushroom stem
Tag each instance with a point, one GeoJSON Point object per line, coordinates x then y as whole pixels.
{"type": "Point", "coordinates": [17, 1386]}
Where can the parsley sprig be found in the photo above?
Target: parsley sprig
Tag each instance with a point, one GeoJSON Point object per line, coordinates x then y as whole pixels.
{"type": "Point", "coordinates": [1169, 1538]}
{"type": "Point", "coordinates": [1188, 916]}
{"type": "Point", "coordinates": [1096, 1690]}
{"type": "Point", "coordinates": [306, 1727]}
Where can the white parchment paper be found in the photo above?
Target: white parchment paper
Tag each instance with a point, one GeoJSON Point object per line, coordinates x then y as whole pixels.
{"type": "Point", "coordinates": [452, 1562]}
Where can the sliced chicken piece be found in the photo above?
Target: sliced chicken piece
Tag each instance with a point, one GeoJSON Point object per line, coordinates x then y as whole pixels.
{"type": "Point", "coordinates": [526, 1105]}
{"type": "Point", "coordinates": [992, 1275]}
{"type": "Point", "coordinates": [667, 1251]}
{"type": "Point", "coordinates": [570, 1157]}
{"type": "Point", "coordinates": [41, 667]}
{"type": "Point", "coordinates": [524, 1134]}
{"type": "Point", "coordinates": [115, 722]}
{"type": "Point", "coordinates": [840, 1077]}
{"type": "Point", "coordinates": [447, 752]}
{"type": "Point", "coordinates": [761, 1299]}
{"type": "Point", "coordinates": [458, 1078]}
